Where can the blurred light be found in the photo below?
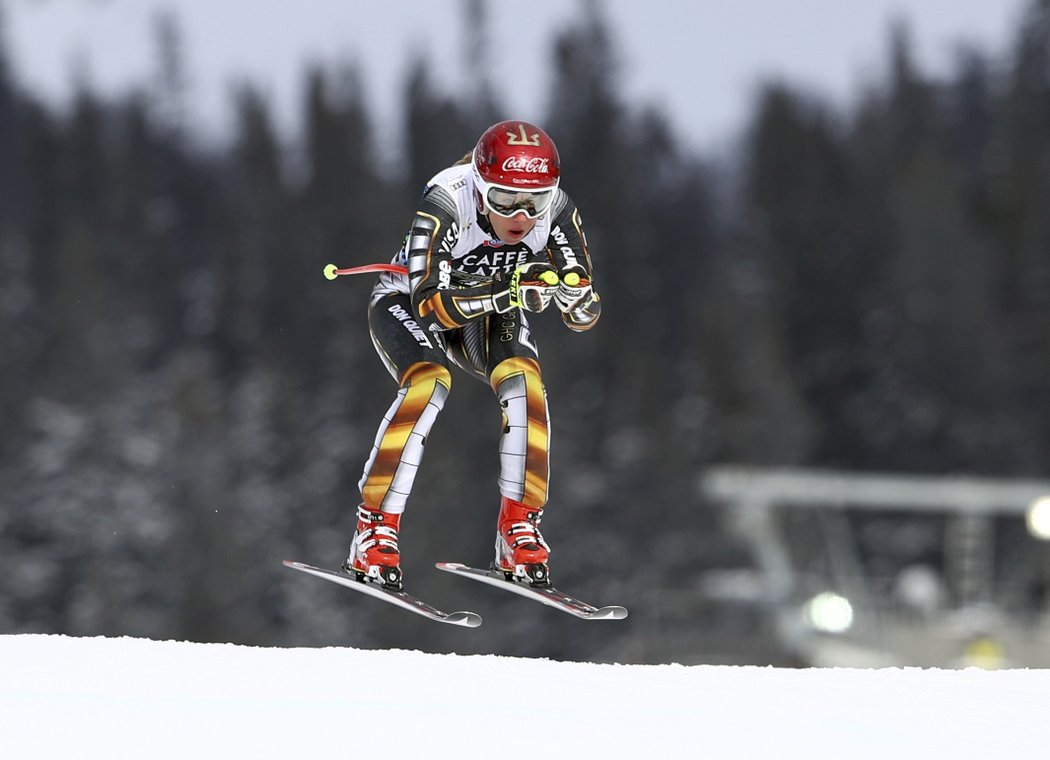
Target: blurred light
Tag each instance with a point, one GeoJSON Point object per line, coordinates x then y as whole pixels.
{"type": "Point", "coordinates": [829, 612]}
{"type": "Point", "coordinates": [984, 652]}
{"type": "Point", "coordinates": [1038, 518]}
{"type": "Point", "coordinates": [921, 588]}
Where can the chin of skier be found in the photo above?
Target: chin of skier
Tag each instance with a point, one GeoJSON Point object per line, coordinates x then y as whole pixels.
{"type": "Point", "coordinates": [494, 237]}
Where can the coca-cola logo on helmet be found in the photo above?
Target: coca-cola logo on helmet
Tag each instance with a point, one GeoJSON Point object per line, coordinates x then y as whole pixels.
{"type": "Point", "coordinates": [534, 165]}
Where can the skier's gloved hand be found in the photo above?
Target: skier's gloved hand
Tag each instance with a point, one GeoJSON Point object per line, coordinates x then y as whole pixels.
{"type": "Point", "coordinates": [531, 287]}
{"type": "Point", "coordinates": [573, 289]}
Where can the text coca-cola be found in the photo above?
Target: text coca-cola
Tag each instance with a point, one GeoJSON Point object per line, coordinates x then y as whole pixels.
{"type": "Point", "coordinates": [527, 165]}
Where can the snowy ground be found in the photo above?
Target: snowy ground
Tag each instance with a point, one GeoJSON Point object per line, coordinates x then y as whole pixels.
{"type": "Point", "coordinates": [63, 697]}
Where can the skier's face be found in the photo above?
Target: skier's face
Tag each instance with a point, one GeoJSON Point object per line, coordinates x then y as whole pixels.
{"type": "Point", "coordinates": [511, 229]}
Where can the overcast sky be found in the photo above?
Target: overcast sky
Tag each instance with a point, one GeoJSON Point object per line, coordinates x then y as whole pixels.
{"type": "Point", "coordinates": [697, 61]}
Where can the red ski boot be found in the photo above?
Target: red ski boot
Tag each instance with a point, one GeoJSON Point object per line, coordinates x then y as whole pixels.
{"type": "Point", "coordinates": [521, 551]}
{"type": "Point", "coordinates": [373, 552]}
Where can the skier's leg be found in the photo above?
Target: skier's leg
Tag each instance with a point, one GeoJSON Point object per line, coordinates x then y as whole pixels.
{"type": "Point", "coordinates": [515, 376]}
{"type": "Point", "coordinates": [398, 449]}
{"type": "Point", "coordinates": [524, 443]}
{"type": "Point", "coordinates": [499, 350]}
{"type": "Point", "coordinates": [418, 363]}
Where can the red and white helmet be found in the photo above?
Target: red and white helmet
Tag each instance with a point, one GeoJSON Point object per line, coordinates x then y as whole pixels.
{"type": "Point", "coordinates": [516, 168]}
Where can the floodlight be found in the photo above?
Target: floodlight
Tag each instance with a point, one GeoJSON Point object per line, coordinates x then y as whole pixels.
{"type": "Point", "coordinates": [1038, 518]}
{"type": "Point", "coordinates": [829, 612]}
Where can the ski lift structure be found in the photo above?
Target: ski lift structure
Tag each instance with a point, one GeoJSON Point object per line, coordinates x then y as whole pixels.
{"type": "Point", "coordinates": [879, 570]}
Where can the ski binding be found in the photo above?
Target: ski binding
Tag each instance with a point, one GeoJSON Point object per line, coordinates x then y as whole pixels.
{"type": "Point", "coordinates": [392, 596]}
{"type": "Point", "coordinates": [546, 594]}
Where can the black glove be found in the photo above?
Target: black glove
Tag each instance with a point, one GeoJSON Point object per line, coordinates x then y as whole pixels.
{"type": "Point", "coordinates": [531, 287]}
{"type": "Point", "coordinates": [573, 289]}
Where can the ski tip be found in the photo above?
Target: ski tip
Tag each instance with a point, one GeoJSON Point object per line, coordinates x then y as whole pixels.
{"type": "Point", "coordinates": [612, 612]}
{"type": "Point", "coordinates": [451, 566]}
{"type": "Point", "coordinates": [465, 619]}
{"type": "Point", "coordinates": [291, 563]}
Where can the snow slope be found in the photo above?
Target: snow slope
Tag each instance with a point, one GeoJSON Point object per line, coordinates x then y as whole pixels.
{"type": "Point", "coordinates": [63, 697]}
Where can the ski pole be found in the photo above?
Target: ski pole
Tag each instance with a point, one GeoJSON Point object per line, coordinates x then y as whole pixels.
{"type": "Point", "coordinates": [332, 271]}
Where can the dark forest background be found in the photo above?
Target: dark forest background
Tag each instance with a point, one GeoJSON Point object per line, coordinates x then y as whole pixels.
{"type": "Point", "coordinates": [186, 401]}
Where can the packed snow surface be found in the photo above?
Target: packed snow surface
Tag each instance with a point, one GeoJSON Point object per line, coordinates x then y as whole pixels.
{"type": "Point", "coordinates": [64, 697]}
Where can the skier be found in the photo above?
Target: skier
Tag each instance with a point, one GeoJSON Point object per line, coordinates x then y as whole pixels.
{"type": "Point", "coordinates": [494, 236]}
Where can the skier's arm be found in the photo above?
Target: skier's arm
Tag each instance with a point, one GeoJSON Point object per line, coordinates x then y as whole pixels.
{"type": "Point", "coordinates": [440, 302]}
{"type": "Point", "coordinates": [576, 297]}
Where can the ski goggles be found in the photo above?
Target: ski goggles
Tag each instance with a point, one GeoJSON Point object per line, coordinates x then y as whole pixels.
{"type": "Point", "coordinates": [507, 203]}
